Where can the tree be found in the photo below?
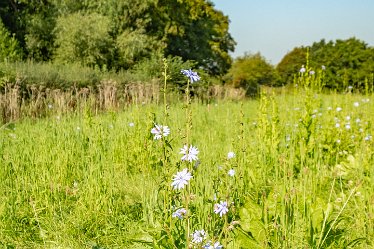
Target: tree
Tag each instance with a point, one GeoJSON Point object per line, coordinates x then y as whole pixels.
{"type": "Point", "coordinates": [130, 31]}
{"type": "Point", "coordinates": [291, 64]}
{"type": "Point", "coordinates": [196, 32]}
{"type": "Point", "coordinates": [250, 71]}
{"type": "Point", "coordinates": [83, 38]}
{"type": "Point", "coordinates": [346, 62]}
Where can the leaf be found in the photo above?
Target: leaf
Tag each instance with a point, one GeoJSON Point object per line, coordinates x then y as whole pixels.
{"type": "Point", "coordinates": [250, 216]}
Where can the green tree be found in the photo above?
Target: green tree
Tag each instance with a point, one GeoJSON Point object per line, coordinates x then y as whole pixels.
{"type": "Point", "coordinates": [291, 64]}
{"type": "Point", "coordinates": [250, 71]}
{"type": "Point", "coordinates": [196, 32]}
{"type": "Point", "coordinates": [346, 62]}
{"type": "Point", "coordinates": [120, 33]}
{"type": "Point", "coordinates": [83, 38]}
{"type": "Point", "coordinates": [132, 46]}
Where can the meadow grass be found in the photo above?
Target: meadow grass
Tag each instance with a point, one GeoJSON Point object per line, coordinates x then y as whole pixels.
{"type": "Point", "coordinates": [304, 175]}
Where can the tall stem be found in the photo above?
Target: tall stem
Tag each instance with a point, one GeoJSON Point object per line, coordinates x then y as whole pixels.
{"type": "Point", "coordinates": [188, 129]}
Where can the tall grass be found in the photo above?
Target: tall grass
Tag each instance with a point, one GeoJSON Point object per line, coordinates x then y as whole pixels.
{"type": "Point", "coordinates": [303, 175]}
{"type": "Point", "coordinates": [80, 182]}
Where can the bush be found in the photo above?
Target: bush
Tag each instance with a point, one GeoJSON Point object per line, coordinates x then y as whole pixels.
{"type": "Point", "coordinates": [154, 67]}
{"type": "Point", "coordinates": [250, 71]}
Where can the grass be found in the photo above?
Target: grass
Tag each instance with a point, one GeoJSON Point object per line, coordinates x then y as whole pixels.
{"type": "Point", "coordinates": [84, 181]}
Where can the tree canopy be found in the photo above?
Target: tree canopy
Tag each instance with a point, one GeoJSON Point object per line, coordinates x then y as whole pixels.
{"type": "Point", "coordinates": [346, 62]}
{"type": "Point", "coordinates": [120, 33]}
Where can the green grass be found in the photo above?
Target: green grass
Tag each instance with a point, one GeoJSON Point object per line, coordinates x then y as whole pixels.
{"type": "Point", "coordinates": [107, 184]}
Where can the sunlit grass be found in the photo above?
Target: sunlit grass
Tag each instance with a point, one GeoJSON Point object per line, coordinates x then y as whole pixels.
{"type": "Point", "coordinates": [96, 181]}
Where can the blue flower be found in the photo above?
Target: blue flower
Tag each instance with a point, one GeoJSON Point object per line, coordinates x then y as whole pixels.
{"type": "Point", "coordinates": [181, 179]}
{"type": "Point", "coordinates": [191, 75]}
{"type": "Point", "coordinates": [221, 208]}
{"type": "Point", "coordinates": [198, 236]}
{"type": "Point", "coordinates": [216, 245]}
{"type": "Point", "coordinates": [189, 153]}
{"type": "Point", "coordinates": [179, 213]}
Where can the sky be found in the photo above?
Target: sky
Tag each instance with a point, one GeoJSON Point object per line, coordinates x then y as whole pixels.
{"type": "Point", "coordinates": [275, 27]}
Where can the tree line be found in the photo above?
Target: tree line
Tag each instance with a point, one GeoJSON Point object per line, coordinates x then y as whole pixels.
{"type": "Point", "coordinates": [116, 34]}
{"type": "Point", "coordinates": [343, 63]}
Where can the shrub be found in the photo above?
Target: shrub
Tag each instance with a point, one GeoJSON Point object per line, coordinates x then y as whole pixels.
{"type": "Point", "coordinates": [250, 71]}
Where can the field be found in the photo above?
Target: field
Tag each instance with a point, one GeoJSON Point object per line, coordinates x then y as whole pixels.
{"type": "Point", "coordinates": [286, 170]}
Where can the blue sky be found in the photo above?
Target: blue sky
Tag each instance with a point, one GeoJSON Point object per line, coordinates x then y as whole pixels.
{"type": "Point", "coordinates": [275, 27]}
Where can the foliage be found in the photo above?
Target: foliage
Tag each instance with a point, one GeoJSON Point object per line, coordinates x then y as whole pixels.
{"type": "Point", "coordinates": [346, 63]}
{"type": "Point", "coordinates": [9, 46]}
{"type": "Point", "coordinates": [134, 46]}
{"type": "Point", "coordinates": [250, 71]}
{"type": "Point", "coordinates": [291, 64]}
{"type": "Point", "coordinates": [83, 38]}
{"type": "Point", "coordinates": [197, 32]}
{"type": "Point", "coordinates": [151, 68]}
{"type": "Point", "coordinates": [40, 36]}
{"type": "Point", "coordinates": [118, 34]}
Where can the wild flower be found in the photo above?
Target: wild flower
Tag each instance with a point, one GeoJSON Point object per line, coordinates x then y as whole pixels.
{"type": "Point", "coordinates": [189, 153]}
{"type": "Point", "coordinates": [221, 208]}
{"type": "Point", "coordinates": [216, 245]}
{"type": "Point", "coordinates": [348, 118]}
{"type": "Point", "coordinates": [323, 67]}
{"type": "Point", "coordinates": [302, 69]}
{"type": "Point", "coordinates": [131, 124]}
{"type": "Point", "coordinates": [231, 172]}
{"type": "Point", "coordinates": [50, 106]}
{"type": "Point", "coordinates": [350, 87]}
{"type": "Point", "coordinates": [179, 213]}
{"type": "Point", "coordinates": [181, 179]}
{"type": "Point", "coordinates": [337, 125]}
{"type": "Point", "coordinates": [311, 72]}
{"type": "Point", "coordinates": [338, 109]}
{"type": "Point", "coordinates": [230, 155]}
{"type": "Point", "coordinates": [356, 104]}
{"type": "Point", "coordinates": [368, 138]}
{"type": "Point", "coordinates": [160, 131]}
{"type": "Point", "coordinates": [198, 236]}
{"type": "Point", "coordinates": [348, 126]}
{"type": "Point", "coordinates": [191, 75]}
